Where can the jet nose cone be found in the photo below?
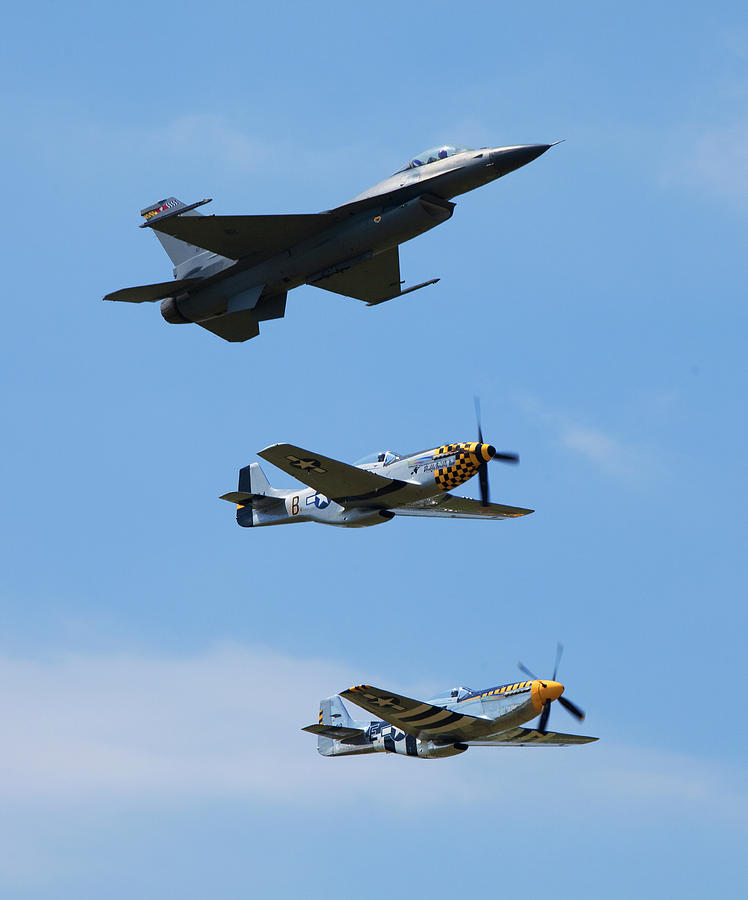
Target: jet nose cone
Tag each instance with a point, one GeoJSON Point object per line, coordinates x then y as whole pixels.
{"type": "Point", "coordinates": [487, 451]}
{"type": "Point", "coordinates": [507, 159]}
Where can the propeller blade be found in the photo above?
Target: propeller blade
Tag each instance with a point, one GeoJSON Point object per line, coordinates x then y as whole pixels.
{"type": "Point", "coordinates": [559, 653]}
{"type": "Point", "coordinates": [476, 400]}
{"type": "Point", "coordinates": [506, 457]}
{"type": "Point", "coordinates": [544, 716]}
{"type": "Point", "coordinates": [527, 671]}
{"type": "Point", "coordinates": [483, 480]}
{"type": "Point", "coordinates": [572, 708]}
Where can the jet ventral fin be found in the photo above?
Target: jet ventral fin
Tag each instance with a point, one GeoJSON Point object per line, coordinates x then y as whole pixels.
{"type": "Point", "coordinates": [234, 327]}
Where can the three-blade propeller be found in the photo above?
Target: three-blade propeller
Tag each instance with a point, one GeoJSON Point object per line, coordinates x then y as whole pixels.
{"type": "Point", "coordinates": [567, 704]}
{"type": "Point", "coordinates": [485, 494]}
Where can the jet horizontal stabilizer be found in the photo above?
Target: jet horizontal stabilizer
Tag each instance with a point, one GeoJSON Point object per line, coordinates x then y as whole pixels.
{"type": "Point", "coordinates": [147, 292]}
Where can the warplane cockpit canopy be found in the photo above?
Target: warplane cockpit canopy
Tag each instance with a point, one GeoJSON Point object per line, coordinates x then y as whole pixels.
{"type": "Point", "coordinates": [434, 154]}
{"type": "Point", "coordinates": [455, 693]}
{"type": "Point", "coordinates": [383, 456]}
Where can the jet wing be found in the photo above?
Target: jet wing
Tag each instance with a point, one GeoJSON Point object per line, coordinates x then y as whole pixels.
{"type": "Point", "coordinates": [237, 237]}
{"type": "Point", "coordinates": [341, 482]}
{"type": "Point", "coordinates": [527, 737]}
{"type": "Point", "coordinates": [414, 717]}
{"type": "Point", "coordinates": [451, 507]}
{"type": "Point", "coordinates": [374, 280]}
{"type": "Point", "coordinates": [147, 292]}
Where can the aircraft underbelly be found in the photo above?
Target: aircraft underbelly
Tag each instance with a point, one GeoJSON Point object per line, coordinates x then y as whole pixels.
{"type": "Point", "coordinates": [363, 235]}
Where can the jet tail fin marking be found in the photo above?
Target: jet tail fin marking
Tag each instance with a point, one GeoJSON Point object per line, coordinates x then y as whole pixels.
{"type": "Point", "coordinates": [179, 251]}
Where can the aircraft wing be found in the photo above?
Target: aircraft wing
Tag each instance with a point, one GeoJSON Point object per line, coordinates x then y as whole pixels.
{"type": "Point", "coordinates": [414, 717]}
{"type": "Point", "coordinates": [527, 737]}
{"type": "Point", "coordinates": [375, 279]}
{"type": "Point", "coordinates": [451, 507]}
{"type": "Point", "coordinates": [237, 237]}
{"type": "Point", "coordinates": [341, 482]}
{"type": "Point", "coordinates": [147, 292]}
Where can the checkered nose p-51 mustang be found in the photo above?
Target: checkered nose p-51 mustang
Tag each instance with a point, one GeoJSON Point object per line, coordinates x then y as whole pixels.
{"type": "Point", "coordinates": [447, 724]}
{"type": "Point", "coordinates": [372, 491]}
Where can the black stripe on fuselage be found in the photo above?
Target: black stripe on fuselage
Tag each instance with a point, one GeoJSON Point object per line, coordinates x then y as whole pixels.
{"type": "Point", "coordinates": [411, 748]}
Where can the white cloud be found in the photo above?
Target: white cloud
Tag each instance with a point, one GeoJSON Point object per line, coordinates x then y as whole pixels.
{"type": "Point", "coordinates": [613, 455]}
{"type": "Point", "coordinates": [87, 729]}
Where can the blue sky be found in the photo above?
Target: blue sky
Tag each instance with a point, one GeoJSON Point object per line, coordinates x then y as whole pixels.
{"type": "Point", "coordinates": [157, 662]}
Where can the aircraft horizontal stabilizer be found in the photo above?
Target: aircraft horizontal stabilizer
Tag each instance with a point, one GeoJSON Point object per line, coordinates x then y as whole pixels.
{"type": "Point", "coordinates": [336, 732]}
{"type": "Point", "coordinates": [238, 497]}
{"type": "Point", "coordinates": [148, 292]}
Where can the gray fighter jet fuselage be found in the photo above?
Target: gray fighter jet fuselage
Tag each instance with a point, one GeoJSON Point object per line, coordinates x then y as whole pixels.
{"type": "Point", "coordinates": [233, 272]}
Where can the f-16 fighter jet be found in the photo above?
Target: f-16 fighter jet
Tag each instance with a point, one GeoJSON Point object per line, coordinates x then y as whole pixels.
{"type": "Point", "coordinates": [374, 490]}
{"type": "Point", "coordinates": [447, 724]}
{"type": "Point", "coordinates": [233, 272]}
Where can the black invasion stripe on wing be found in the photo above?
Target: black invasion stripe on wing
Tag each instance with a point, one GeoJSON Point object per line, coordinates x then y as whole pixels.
{"type": "Point", "coordinates": [428, 714]}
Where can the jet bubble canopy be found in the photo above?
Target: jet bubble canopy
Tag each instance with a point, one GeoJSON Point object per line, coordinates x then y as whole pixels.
{"type": "Point", "coordinates": [433, 154]}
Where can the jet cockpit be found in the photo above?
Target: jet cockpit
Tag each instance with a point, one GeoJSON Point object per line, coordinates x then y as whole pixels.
{"type": "Point", "coordinates": [434, 154]}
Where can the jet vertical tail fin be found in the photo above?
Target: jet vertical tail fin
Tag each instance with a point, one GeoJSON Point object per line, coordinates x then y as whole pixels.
{"type": "Point", "coordinates": [179, 252]}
